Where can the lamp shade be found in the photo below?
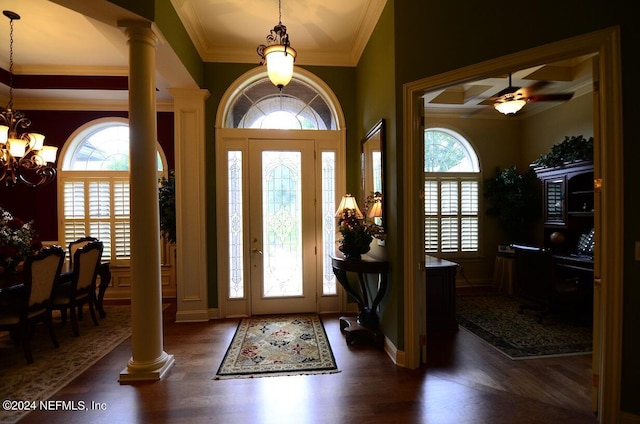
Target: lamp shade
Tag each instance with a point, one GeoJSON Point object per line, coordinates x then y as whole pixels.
{"type": "Point", "coordinates": [37, 141]}
{"type": "Point", "coordinates": [509, 107]}
{"type": "Point", "coordinates": [17, 147]}
{"type": "Point", "coordinates": [4, 134]}
{"type": "Point", "coordinates": [280, 60]}
{"type": "Point", "coordinates": [375, 211]}
{"type": "Point", "coordinates": [48, 153]}
{"type": "Point", "coordinates": [349, 202]}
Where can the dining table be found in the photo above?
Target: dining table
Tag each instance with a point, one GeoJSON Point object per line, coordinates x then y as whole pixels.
{"type": "Point", "coordinates": [11, 289]}
{"type": "Point", "coordinates": [11, 285]}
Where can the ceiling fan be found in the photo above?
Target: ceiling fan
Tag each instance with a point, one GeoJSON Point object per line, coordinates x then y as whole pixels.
{"type": "Point", "coordinates": [511, 99]}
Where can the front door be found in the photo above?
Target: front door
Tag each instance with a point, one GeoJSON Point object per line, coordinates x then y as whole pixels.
{"type": "Point", "coordinates": [281, 229]}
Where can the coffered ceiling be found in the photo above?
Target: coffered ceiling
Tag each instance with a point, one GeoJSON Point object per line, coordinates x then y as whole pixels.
{"type": "Point", "coordinates": [472, 99]}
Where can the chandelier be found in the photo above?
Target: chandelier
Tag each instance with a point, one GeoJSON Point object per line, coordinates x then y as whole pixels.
{"type": "Point", "coordinates": [278, 54]}
{"type": "Point", "coordinates": [23, 156]}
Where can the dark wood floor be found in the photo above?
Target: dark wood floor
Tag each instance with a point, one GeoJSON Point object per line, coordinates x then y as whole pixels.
{"type": "Point", "coordinates": [466, 381]}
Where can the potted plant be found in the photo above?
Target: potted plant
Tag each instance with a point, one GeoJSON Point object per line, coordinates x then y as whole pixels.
{"type": "Point", "coordinates": [572, 149]}
{"type": "Point", "coordinates": [514, 199]}
{"type": "Point", "coordinates": [167, 203]}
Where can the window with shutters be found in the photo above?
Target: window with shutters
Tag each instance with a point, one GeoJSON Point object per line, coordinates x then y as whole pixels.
{"type": "Point", "coordinates": [451, 192]}
{"type": "Point", "coordinates": [94, 187]}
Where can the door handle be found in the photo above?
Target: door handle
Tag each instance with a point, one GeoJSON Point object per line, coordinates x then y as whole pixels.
{"type": "Point", "coordinates": [254, 250]}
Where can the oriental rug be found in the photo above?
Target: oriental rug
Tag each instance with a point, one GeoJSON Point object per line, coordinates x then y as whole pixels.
{"type": "Point", "coordinates": [53, 368]}
{"type": "Point", "coordinates": [497, 321]}
{"type": "Point", "coordinates": [280, 345]}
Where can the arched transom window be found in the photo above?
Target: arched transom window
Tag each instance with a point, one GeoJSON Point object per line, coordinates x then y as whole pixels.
{"type": "Point", "coordinates": [298, 106]}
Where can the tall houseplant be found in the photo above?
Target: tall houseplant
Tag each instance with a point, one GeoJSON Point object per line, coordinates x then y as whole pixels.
{"type": "Point", "coordinates": [514, 200]}
{"type": "Point", "coordinates": [167, 204]}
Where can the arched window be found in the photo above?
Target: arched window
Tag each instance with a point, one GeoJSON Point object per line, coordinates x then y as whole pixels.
{"type": "Point", "coordinates": [93, 194]}
{"type": "Point", "coordinates": [451, 184]}
{"type": "Point", "coordinates": [299, 107]}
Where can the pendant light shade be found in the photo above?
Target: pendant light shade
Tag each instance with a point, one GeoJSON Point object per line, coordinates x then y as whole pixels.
{"type": "Point", "coordinates": [280, 64]}
{"type": "Point", "coordinates": [278, 54]}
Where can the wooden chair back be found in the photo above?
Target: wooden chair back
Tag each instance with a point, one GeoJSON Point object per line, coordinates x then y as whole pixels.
{"type": "Point", "coordinates": [40, 273]}
{"type": "Point", "coordinates": [77, 244]}
{"type": "Point", "coordinates": [86, 260]}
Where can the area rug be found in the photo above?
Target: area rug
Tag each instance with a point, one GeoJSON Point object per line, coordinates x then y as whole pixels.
{"type": "Point", "coordinates": [53, 368]}
{"type": "Point", "coordinates": [497, 321]}
{"type": "Point", "coordinates": [266, 346]}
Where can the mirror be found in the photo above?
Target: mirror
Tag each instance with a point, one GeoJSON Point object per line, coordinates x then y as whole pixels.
{"type": "Point", "coordinates": [372, 163]}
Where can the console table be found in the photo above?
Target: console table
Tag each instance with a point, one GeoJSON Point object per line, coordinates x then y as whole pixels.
{"type": "Point", "coordinates": [367, 323]}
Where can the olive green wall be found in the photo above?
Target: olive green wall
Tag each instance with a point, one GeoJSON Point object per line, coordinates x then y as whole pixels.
{"type": "Point", "coordinates": [171, 27]}
{"type": "Point", "coordinates": [376, 100]}
{"type": "Point", "coordinates": [453, 35]}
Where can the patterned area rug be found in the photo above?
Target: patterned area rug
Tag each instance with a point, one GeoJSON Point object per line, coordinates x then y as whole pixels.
{"type": "Point", "coordinates": [266, 346]}
{"type": "Point", "coordinates": [54, 368]}
{"type": "Point", "coordinates": [496, 320]}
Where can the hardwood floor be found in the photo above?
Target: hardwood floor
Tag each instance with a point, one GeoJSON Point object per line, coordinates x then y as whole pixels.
{"type": "Point", "coordinates": [465, 381]}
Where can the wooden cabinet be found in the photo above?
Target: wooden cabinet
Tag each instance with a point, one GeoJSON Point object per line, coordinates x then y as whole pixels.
{"type": "Point", "coordinates": [440, 294]}
{"type": "Point", "coordinates": [567, 204]}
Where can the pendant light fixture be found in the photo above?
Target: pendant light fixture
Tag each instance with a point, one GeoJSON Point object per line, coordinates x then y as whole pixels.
{"type": "Point", "coordinates": [278, 54]}
{"type": "Point", "coordinates": [23, 156]}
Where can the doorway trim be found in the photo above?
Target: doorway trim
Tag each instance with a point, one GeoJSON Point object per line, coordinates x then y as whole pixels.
{"type": "Point", "coordinates": [331, 141]}
{"type": "Point", "coordinates": [608, 166]}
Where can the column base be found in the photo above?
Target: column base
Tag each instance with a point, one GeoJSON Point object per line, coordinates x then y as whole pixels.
{"type": "Point", "coordinates": [146, 372]}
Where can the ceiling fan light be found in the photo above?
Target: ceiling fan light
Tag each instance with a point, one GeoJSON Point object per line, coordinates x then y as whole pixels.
{"type": "Point", "coordinates": [509, 107]}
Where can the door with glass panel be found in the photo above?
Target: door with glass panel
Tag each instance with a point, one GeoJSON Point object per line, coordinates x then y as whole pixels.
{"type": "Point", "coordinates": [281, 226]}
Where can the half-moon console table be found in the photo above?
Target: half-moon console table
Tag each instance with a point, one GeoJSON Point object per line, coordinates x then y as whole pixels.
{"type": "Point", "coordinates": [367, 323]}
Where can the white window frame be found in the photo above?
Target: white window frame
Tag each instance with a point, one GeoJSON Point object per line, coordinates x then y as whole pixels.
{"type": "Point", "coordinates": [81, 220]}
{"type": "Point", "coordinates": [436, 245]}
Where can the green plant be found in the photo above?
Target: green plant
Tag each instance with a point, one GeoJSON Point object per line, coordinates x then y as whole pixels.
{"type": "Point", "coordinates": [167, 203]}
{"type": "Point", "coordinates": [572, 149]}
{"type": "Point", "coordinates": [514, 199]}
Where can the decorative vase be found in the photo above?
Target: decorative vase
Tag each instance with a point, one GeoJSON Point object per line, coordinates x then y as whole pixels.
{"type": "Point", "coordinates": [353, 251]}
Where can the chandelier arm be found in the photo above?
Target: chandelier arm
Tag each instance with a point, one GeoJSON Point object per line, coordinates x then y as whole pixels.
{"type": "Point", "coordinates": [43, 174]}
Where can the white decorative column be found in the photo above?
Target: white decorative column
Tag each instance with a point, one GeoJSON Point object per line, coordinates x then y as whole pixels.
{"type": "Point", "coordinates": [191, 243]}
{"type": "Point", "coordinates": [148, 360]}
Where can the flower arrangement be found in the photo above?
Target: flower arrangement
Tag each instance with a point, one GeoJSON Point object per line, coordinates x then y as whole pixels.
{"type": "Point", "coordinates": [17, 240]}
{"type": "Point", "coordinates": [357, 233]}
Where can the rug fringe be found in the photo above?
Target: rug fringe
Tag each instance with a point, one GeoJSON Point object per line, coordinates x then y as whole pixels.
{"type": "Point", "coordinates": [275, 374]}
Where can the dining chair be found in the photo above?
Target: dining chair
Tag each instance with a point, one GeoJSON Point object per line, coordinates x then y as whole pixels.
{"type": "Point", "coordinates": [32, 299]}
{"type": "Point", "coordinates": [82, 288]}
{"type": "Point", "coordinates": [66, 277]}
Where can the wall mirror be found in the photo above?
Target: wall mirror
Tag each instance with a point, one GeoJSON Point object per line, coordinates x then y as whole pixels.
{"type": "Point", "coordinates": [372, 165]}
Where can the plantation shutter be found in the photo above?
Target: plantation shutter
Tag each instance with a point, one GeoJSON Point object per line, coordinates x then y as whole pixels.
{"type": "Point", "coordinates": [469, 225]}
{"type": "Point", "coordinates": [73, 211]}
{"type": "Point", "coordinates": [432, 216]}
{"type": "Point", "coordinates": [99, 207]}
{"type": "Point", "coordinates": [451, 214]}
{"type": "Point", "coordinates": [122, 231]}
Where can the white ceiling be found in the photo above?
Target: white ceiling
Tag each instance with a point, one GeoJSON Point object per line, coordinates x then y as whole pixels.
{"type": "Point", "coordinates": [78, 37]}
